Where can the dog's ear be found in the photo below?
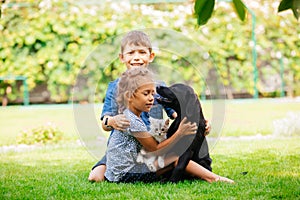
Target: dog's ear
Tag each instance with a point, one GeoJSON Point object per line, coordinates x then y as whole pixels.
{"type": "Point", "coordinates": [163, 93]}
{"type": "Point", "coordinates": [191, 107]}
{"type": "Point", "coordinates": [187, 100]}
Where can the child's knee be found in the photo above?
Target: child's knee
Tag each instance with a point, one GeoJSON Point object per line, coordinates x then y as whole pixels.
{"type": "Point", "coordinates": [93, 177]}
{"type": "Point", "coordinates": [97, 174]}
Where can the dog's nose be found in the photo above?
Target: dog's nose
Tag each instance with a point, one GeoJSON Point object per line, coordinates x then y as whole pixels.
{"type": "Point", "coordinates": [157, 97]}
{"type": "Point", "coordinates": [160, 99]}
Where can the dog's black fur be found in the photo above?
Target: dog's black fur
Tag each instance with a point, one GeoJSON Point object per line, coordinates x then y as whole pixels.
{"type": "Point", "coordinates": [185, 102]}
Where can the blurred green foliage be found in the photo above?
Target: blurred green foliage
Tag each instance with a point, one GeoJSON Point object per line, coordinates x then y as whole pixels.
{"type": "Point", "coordinates": [55, 43]}
{"type": "Point", "coordinates": [40, 135]}
{"type": "Point", "coordinates": [204, 8]}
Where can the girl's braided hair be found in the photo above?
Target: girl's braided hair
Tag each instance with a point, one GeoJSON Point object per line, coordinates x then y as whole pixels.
{"type": "Point", "coordinates": [129, 82]}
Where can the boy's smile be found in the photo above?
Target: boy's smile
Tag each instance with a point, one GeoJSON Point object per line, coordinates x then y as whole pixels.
{"type": "Point", "coordinates": [136, 56]}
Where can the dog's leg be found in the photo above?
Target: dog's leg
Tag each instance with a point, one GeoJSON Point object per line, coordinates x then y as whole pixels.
{"type": "Point", "coordinates": [202, 157]}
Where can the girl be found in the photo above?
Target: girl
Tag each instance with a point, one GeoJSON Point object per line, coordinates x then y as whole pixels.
{"type": "Point", "coordinates": [135, 95]}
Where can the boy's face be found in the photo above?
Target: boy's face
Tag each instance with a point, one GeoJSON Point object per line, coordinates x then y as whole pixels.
{"type": "Point", "coordinates": [136, 56]}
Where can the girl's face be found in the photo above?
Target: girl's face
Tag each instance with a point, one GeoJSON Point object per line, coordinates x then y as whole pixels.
{"type": "Point", "coordinates": [136, 56]}
{"type": "Point", "coordinates": [142, 100]}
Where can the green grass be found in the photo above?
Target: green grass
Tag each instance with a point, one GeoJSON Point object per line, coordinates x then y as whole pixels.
{"type": "Point", "coordinates": [244, 117]}
{"type": "Point", "coordinates": [251, 117]}
{"type": "Point", "coordinates": [60, 171]}
{"type": "Point", "coordinates": [14, 119]}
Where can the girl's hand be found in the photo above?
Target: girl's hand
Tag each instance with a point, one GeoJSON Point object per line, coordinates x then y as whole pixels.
{"type": "Point", "coordinates": [187, 128]}
{"type": "Point", "coordinates": [119, 122]}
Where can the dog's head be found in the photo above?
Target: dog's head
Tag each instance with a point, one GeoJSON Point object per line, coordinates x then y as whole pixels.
{"type": "Point", "coordinates": [182, 99]}
{"type": "Point", "coordinates": [167, 98]}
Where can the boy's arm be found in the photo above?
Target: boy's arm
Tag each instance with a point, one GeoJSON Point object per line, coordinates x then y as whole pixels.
{"type": "Point", "coordinates": [118, 122]}
{"type": "Point", "coordinates": [110, 106]}
{"type": "Point", "coordinates": [110, 118]}
{"type": "Point", "coordinates": [170, 112]}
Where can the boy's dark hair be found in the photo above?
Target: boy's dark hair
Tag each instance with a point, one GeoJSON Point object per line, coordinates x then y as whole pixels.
{"type": "Point", "coordinates": [138, 38]}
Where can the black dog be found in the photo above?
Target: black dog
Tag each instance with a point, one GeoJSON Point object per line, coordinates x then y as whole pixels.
{"type": "Point", "coordinates": [185, 102]}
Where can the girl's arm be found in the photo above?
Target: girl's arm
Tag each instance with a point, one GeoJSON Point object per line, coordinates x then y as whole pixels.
{"type": "Point", "coordinates": [150, 144]}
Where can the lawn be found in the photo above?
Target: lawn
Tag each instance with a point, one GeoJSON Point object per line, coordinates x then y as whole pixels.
{"type": "Point", "coordinates": [263, 168]}
{"type": "Point", "coordinates": [60, 172]}
{"type": "Point", "coordinates": [241, 117]}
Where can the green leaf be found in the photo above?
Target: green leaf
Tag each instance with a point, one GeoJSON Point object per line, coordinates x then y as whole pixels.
{"type": "Point", "coordinates": [294, 5]}
{"type": "Point", "coordinates": [285, 5]}
{"type": "Point", "coordinates": [203, 10]}
{"type": "Point", "coordinates": [296, 8]}
{"type": "Point", "coordinates": [240, 9]}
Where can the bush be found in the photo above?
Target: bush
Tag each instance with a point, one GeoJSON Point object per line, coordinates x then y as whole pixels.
{"type": "Point", "coordinates": [47, 42]}
{"type": "Point", "coordinates": [48, 133]}
{"type": "Point", "coordinates": [288, 126]}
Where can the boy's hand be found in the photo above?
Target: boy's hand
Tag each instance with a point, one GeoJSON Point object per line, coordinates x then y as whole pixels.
{"type": "Point", "coordinates": [207, 127]}
{"type": "Point", "coordinates": [174, 115]}
{"type": "Point", "coordinates": [119, 122]}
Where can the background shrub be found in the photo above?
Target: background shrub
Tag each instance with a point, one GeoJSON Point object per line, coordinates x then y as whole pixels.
{"type": "Point", "coordinates": [288, 126]}
{"type": "Point", "coordinates": [48, 133]}
{"type": "Point", "coordinates": [47, 42]}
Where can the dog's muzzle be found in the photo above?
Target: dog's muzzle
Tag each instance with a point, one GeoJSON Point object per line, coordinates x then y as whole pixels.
{"type": "Point", "coordinates": [162, 100]}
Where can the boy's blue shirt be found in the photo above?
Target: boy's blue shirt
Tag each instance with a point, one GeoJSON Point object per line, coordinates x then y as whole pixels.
{"type": "Point", "coordinates": [110, 106]}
